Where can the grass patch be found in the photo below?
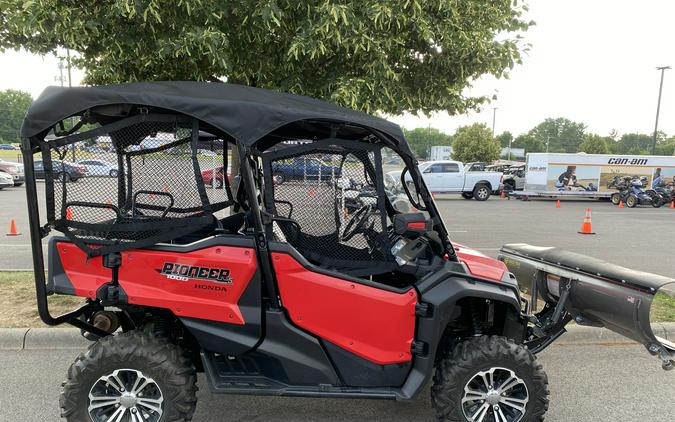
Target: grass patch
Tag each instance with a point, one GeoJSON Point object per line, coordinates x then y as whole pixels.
{"type": "Point", "coordinates": [18, 306]}
{"type": "Point", "coordinates": [663, 309]}
{"type": "Point", "coordinates": [9, 155]}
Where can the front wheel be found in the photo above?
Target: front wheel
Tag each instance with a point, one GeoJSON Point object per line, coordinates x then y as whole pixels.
{"type": "Point", "coordinates": [481, 192]}
{"type": "Point", "coordinates": [489, 378]}
{"type": "Point", "coordinates": [132, 376]}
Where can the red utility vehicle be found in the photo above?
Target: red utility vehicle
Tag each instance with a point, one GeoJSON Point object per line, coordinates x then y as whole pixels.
{"type": "Point", "coordinates": [318, 286]}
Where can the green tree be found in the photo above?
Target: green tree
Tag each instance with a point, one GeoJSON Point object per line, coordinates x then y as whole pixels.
{"type": "Point", "coordinates": [561, 134]}
{"type": "Point", "coordinates": [372, 55]}
{"type": "Point", "coordinates": [666, 146]}
{"type": "Point", "coordinates": [529, 143]}
{"type": "Point", "coordinates": [504, 139]}
{"type": "Point", "coordinates": [475, 143]}
{"type": "Point", "coordinates": [594, 144]}
{"type": "Point", "coordinates": [13, 107]}
{"type": "Point", "coordinates": [633, 143]}
{"type": "Point", "coordinates": [422, 139]}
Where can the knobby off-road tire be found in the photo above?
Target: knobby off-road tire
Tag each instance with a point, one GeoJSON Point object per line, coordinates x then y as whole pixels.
{"type": "Point", "coordinates": [156, 358]}
{"type": "Point", "coordinates": [462, 366]}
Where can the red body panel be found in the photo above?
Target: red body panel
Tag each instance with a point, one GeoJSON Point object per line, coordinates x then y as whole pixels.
{"type": "Point", "coordinates": [375, 324]}
{"type": "Point", "coordinates": [141, 280]}
{"type": "Point", "coordinates": [479, 264]}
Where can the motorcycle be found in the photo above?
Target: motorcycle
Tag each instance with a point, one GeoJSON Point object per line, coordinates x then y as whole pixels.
{"type": "Point", "coordinates": [632, 194]}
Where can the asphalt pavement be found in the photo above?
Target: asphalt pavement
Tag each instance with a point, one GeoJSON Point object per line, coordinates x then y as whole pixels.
{"type": "Point", "coordinates": [611, 382]}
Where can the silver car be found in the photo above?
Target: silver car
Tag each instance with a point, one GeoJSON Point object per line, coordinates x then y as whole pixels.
{"type": "Point", "coordinates": [6, 180]}
{"type": "Point", "coordinates": [99, 168]}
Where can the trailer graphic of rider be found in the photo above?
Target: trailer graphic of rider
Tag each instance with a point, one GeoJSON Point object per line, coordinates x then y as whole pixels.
{"type": "Point", "coordinates": [568, 179]}
{"type": "Point", "coordinates": [658, 179]}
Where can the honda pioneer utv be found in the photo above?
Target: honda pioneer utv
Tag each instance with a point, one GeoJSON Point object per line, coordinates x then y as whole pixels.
{"type": "Point", "coordinates": [336, 282]}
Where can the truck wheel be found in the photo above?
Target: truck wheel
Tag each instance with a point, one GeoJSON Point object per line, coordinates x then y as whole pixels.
{"type": "Point", "coordinates": [128, 377]}
{"type": "Point", "coordinates": [489, 378]}
{"type": "Point", "coordinates": [481, 192]}
{"type": "Point", "coordinates": [467, 195]}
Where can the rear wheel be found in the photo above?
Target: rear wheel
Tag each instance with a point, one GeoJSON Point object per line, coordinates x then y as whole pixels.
{"type": "Point", "coordinates": [489, 378]}
{"type": "Point", "coordinates": [631, 201]}
{"type": "Point", "coordinates": [467, 195]}
{"type": "Point", "coordinates": [113, 173]}
{"type": "Point", "coordinates": [481, 192]}
{"type": "Point", "coordinates": [132, 376]}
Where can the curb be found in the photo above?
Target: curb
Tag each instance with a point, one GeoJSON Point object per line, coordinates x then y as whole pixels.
{"type": "Point", "coordinates": [70, 338]}
{"type": "Point", "coordinates": [42, 339]}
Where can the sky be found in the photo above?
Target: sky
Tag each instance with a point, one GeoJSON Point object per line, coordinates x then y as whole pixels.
{"type": "Point", "coordinates": [592, 61]}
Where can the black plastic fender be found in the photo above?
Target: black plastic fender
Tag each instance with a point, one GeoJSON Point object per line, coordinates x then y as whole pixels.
{"type": "Point", "coordinates": [441, 292]}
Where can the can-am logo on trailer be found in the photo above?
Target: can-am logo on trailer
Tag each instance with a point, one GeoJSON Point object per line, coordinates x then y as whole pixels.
{"type": "Point", "coordinates": [628, 161]}
{"type": "Point", "coordinates": [181, 272]}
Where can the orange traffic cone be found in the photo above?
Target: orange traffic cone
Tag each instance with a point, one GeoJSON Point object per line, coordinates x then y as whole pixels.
{"type": "Point", "coordinates": [12, 229]}
{"type": "Point", "coordinates": [672, 205]}
{"type": "Point", "coordinates": [587, 226]}
{"type": "Point", "coordinates": [620, 204]}
{"type": "Point", "coordinates": [69, 214]}
{"type": "Point", "coordinates": [557, 203]}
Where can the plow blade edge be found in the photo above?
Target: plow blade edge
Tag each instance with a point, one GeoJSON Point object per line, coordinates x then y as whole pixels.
{"type": "Point", "coordinates": [595, 292]}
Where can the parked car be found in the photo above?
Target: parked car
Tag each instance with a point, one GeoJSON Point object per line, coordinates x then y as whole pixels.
{"type": "Point", "coordinates": [15, 170]}
{"type": "Point", "coordinates": [99, 168]}
{"type": "Point", "coordinates": [304, 168]}
{"type": "Point", "coordinates": [6, 180]}
{"type": "Point", "coordinates": [8, 147]}
{"type": "Point", "coordinates": [207, 177]}
{"type": "Point", "coordinates": [63, 170]}
{"type": "Point", "coordinates": [451, 177]}
{"type": "Point", "coordinates": [206, 153]}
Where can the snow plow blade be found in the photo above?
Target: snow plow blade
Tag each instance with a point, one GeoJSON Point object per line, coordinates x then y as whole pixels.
{"type": "Point", "coordinates": [591, 292]}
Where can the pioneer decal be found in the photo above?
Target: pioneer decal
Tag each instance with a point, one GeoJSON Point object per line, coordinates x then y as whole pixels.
{"type": "Point", "coordinates": [181, 272]}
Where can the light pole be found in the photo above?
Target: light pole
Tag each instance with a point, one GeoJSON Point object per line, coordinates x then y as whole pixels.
{"type": "Point", "coordinates": [658, 107]}
{"type": "Point", "coordinates": [494, 118]}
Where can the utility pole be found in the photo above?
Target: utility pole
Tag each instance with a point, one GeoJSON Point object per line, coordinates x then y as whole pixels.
{"type": "Point", "coordinates": [658, 107]}
{"type": "Point", "coordinates": [494, 118]}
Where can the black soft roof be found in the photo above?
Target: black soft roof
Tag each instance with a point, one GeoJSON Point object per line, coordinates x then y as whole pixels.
{"type": "Point", "coordinates": [245, 113]}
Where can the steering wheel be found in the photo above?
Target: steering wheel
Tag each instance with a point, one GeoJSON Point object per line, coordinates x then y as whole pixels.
{"type": "Point", "coordinates": [356, 223]}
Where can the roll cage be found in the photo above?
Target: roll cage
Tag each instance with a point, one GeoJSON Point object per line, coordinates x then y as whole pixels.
{"type": "Point", "coordinates": [347, 131]}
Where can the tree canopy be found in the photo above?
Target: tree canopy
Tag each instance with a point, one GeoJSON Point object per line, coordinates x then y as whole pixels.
{"type": "Point", "coordinates": [422, 139]}
{"type": "Point", "coordinates": [529, 143]}
{"type": "Point", "coordinates": [561, 134]}
{"type": "Point", "coordinates": [13, 107]}
{"type": "Point", "coordinates": [372, 55]}
{"type": "Point", "coordinates": [594, 144]}
{"type": "Point", "coordinates": [505, 139]}
{"type": "Point", "coordinates": [475, 143]}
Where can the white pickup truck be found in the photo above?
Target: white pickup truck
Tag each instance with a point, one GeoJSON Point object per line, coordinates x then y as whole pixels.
{"type": "Point", "coordinates": [451, 177]}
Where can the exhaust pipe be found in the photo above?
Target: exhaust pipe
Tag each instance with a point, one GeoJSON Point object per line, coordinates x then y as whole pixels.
{"type": "Point", "coordinates": [592, 292]}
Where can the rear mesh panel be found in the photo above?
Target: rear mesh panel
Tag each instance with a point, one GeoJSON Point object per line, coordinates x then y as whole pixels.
{"type": "Point", "coordinates": [132, 185]}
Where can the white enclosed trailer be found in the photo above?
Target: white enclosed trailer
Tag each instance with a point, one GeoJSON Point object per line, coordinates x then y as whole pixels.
{"type": "Point", "coordinates": [588, 175]}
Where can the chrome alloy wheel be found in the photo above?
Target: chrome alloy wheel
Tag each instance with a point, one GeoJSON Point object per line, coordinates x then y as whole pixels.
{"type": "Point", "coordinates": [126, 395]}
{"type": "Point", "coordinates": [495, 395]}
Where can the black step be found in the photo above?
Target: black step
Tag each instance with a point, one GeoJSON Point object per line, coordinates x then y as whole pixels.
{"type": "Point", "coordinates": [243, 375]}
